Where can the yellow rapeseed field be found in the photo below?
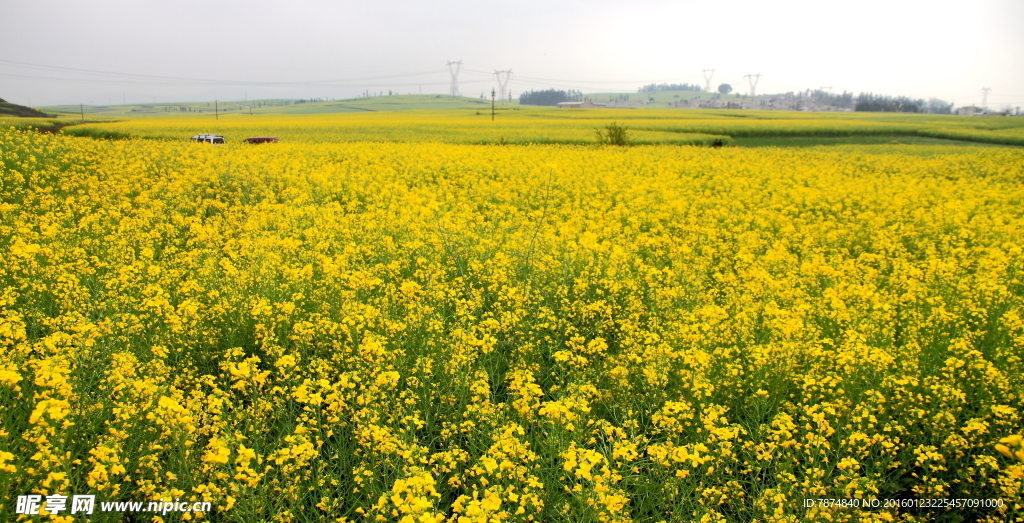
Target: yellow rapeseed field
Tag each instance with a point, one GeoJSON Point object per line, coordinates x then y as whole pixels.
{"type": "Point", "coordinates": [535, 125]}
{"type": "Point", "coordinates": [375, 331]}
{"type": "Point", "coordinates": [452, 126]}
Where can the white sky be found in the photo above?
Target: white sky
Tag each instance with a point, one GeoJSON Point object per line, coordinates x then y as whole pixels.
{"type": "Point", "coordinates": [310, 48]}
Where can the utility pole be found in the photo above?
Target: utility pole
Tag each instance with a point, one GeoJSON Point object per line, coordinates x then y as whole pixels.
{"type": "Point", "coordinates": [492, 104]}
{"type": "Point", "coordinates": [453, 69]}
{"type": "Point", "coordinates": [984, 97]}
{"type": "Point", "coordinates": [708, 73]}
{"type": "Point", "coordinates": [503, 82]}
{"type": "Point", "coordinates": [216, 115]}
{"type": "Point", "coordinates": [82, 109]}
{"type": "Point", "coordinates": [752, 79]}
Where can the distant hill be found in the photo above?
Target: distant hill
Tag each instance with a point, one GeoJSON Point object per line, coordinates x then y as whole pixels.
{"type": "Point", "coordinates": [279, 106]}
{"type": "Point", "coordinates": [9, 109]}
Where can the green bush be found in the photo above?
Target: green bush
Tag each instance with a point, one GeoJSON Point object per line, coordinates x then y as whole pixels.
{"type": "Point", "coordinates": [613, 134]}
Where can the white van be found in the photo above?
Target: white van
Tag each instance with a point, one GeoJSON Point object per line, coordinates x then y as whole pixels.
{"type": "Point", "coordinates": [209, 138]}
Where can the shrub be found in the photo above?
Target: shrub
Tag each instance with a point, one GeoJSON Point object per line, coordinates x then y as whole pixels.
{"type": "Point", "coordinates": [613, 134]}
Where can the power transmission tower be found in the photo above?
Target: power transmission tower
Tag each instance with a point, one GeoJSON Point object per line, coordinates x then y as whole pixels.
{"type": "Point", "coordinates": [503, 78]}
{"type": "Point", "coordinates": [753, 78]}
{"type": "Point", "coordinates": [453, 68]}
{"type": "Point", "coordinates": [708, 73]}
{"type": "Point", "coordinates": [984, 97]}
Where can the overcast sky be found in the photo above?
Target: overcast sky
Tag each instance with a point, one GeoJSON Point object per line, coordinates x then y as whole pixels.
{"type": "Point", "coordinates": [228, 49]}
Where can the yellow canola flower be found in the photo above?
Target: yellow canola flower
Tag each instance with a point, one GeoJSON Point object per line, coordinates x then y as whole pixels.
{"type": "Point", "coordinates": [1013, 441]}
{"type": "Point", "coordinates": [5, 465]}
{"type": "Point", "coordinates": [217, 452]}
{"type": "Point", "coordinates": [54, 409]}
{"type": "Point", "coordinates": [9, 377]}
{"type": "Point", "coordinates": [286, 361]}
{"type": "Point", "coordinates": [1011, 447]}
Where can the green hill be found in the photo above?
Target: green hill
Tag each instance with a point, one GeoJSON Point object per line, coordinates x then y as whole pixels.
{"type": "Point", "coordinates": [9, 109]}
{"type": "Point", "coordinates": [279, 106]}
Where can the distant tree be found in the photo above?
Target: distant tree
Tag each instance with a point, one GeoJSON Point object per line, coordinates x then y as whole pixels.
{"type": "Point", "coordinates": [650, 88]}
{"type": "Point", "coordinates": [725, 88]}
{"type": "Point", "coordinates": [844, 101]}
{"type": "Point", "coordinates": [868, 102]}
{"type": "Point", "coordinates": [936, 106]}
{"type": "Point", "coordinates": [545, 97]}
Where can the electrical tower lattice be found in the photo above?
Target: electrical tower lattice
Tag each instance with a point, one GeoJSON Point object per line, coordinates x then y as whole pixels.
{"type": "Point", "coordinates": [453, 68]}
{"type": "Point", "coordinates": [753, 78]}
{"type": "Point", "coordinates": [503, 78]}
{"type": "Point", "coordinates": [708, 74]}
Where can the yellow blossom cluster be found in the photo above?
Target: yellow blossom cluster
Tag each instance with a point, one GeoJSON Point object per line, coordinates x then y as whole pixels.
{"type": "Point", "coordinates": [422, 332]}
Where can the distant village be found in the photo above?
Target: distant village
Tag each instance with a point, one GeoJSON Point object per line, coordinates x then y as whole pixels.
{"type": "Point", "coordinates": [693, 97]}
{"type": "Point", "coordinates": [711, 101]}
{"type": "Point", "coordinates": [774, 102]}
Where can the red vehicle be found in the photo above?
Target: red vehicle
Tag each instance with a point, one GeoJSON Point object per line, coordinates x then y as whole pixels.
{"type": "Point", "coordinates": [262, 139]}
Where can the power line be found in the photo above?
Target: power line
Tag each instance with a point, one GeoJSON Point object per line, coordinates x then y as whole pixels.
{"type": "Point", "coordinates": [94, 72]}
{"type": "Point", "coordinates": [154, 82]}
{"type": "Point", "coordinates": [590, 82]}
{"type": "Point", "coordinates": [454, 69]}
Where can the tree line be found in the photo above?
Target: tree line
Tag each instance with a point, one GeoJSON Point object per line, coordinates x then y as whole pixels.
{"type": "Point", "coordinates": [864, 102]}
{"type": "Point", "coordinates": [869, 102]}
{"type": "Point", "coordinates": [652, 88]}
{"type": "Point", "coordinates": [550, 97]}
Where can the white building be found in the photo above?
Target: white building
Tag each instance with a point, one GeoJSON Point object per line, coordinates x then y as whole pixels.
{"type": "Point", "coordinates": [580, 105]}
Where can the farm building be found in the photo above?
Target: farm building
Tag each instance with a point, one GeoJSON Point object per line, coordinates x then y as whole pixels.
{"type": "Point", "coordinates": [580, 105]}
{"type": "Point", "coordinates": [970, 110]}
